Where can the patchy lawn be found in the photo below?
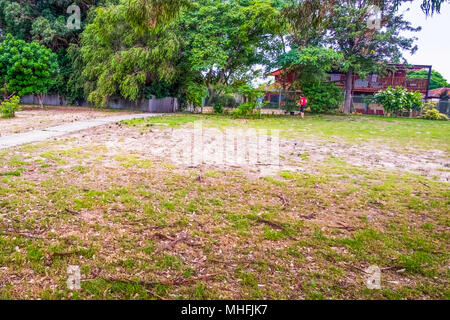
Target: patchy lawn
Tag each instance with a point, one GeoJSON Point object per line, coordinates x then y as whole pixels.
{"type": "Point", "coordinates": [142, 226]}
{"type": "Point", "coordinates": [35, 118]}
{"type": "Point", "coordinates": [400, 133]}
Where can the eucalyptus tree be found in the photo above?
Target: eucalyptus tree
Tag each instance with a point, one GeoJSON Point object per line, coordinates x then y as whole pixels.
{"type": "Point", "coordinates": [366, 47]}
{"type": "Point", "coordinates": [367, 39]}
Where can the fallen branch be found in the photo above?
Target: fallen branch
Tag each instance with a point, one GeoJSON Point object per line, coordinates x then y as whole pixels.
{"type": "Point", "coordinates": [356, 268]}
{"type": "Point", "coordinates": [270, 223]}
{"type": "Point", "coordinates": [284, 201]}
{"type": "Point", "coordinates": [71, 211]}
{"type": "Point", "coordinates": [188, 280]}
{"type": "Point", "coordinates": [425, 184]}
{"type": "Point", "coordinates": [49, 259]}
{"type": "Point", "coordinates": [343, 226]}
{"type": "Point", "coordinates": [172, 244]}
{"type": "Point", "coordinates": [161, 236]}
{"type": "Point", "coordinates": [309, 216]}
{"type": "Point", "coordinates": [274, 225]}
{"type": "Point", "coordinates": [155, 294]}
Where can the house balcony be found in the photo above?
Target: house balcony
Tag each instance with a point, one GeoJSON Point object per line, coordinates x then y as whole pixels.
{"type": "Point", "coordinates": [374, 84]}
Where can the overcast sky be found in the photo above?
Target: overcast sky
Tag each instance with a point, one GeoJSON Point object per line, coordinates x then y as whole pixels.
{"type": "Point", "coordinates": [433, 40]}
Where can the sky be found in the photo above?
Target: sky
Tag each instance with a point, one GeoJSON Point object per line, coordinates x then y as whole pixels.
{"type": "Point", "coordinates": [433, 40]}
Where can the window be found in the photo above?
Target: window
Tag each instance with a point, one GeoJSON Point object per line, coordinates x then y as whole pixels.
{"type": "Point", "coordinates": [335, 77]}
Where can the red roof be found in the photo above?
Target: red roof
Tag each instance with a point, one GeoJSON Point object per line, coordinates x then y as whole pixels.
{"type": "Point", "coordinates": [436, 93]}
{"type": "Point", "coordinates": [276, 72]}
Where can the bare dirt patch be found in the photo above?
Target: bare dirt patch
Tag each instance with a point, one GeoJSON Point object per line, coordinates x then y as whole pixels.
{"type": "Point", "coordinates": [34, 118]}
{"type": "Point", "coordinates": [177, 146]}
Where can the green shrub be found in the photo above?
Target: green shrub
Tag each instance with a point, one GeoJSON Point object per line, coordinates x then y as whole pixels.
{"type": "Point", "coordinates": [289, 104]}
{"type": "Point", "coordinates": [434, 114]}
{"type": "Point", "coordinates": [398, 99]}
{"type": "Point", "coordinates": [9, 107]}
{"type": "Point", "coordinates": [218, 108]}
{"type": "Point", "coordinates": [245, 109]}
{"type": "Point", "coordinates": [323, 96]}
{"type": "Point", "coordinates": [223, 101]}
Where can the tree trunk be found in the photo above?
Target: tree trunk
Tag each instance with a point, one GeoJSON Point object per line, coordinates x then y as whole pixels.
{"type": "Point", "coordinates": [41, 100]}
{"type": "Point", "coordinates": [5, 91]}
{"type": "Point", "coordinates": [212, 94]}
{"type": "Point", "coordinates": [348, 91]}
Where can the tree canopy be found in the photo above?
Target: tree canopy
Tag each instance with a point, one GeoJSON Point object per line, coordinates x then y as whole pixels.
{"type": "Point", "coordinates": [436, 79]}
{"type": "Point", "coordinates": [120, 60]}
{"type": "Point", "coordinates": [225, 40]}
{"type": "Point", "coordinates": [26, 68]}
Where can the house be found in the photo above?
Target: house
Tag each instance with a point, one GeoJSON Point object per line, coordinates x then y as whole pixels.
{"type": "Point", "coordinates": [394, 76]}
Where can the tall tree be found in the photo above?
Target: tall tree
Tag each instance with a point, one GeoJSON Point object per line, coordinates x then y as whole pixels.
{"type": "Point", "coordinates": [46, 22]}
{"type": "Point", "coordinates": [120, 59]}
{"type": "Point", "coordinates": [225, 40]}
{"type": "Point", "coordinates": [367, 48]}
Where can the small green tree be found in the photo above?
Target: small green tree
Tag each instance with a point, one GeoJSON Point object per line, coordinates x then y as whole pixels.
{"type": "Point", "coordinates": [311, 64]}
{"type": "Point", "coordinates": [226, 40]}
{"type": "Point", "coordinates": [9, 107]}
{"type": "Point", "coordinates": [365, 49]}
{"type": "Point", "coordinates": [26, 68]}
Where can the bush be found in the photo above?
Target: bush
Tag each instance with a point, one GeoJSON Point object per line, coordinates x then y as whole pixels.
{"type": "Point", "coordinates": [434, 114]}
{"type": "Point", "coordinates": [245, 109]}
{"type": "Point", "coordinates": [218, 108]}
{"type": "Point", "coordinates": [9, 107]}
{"type": "Point", "coordinates": [429, 105]}
{"type": "Point", "coordinates": [323, 96]}
{"type": "Point", "coordinates": [398, 99]}
{"type": "Point", "coordinates": [223, 101]}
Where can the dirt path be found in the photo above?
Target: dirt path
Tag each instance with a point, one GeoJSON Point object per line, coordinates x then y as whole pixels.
{"type": "Point", "coordinates": [34, 118]}
{"type": "Point", "coordinates": [13, 140]}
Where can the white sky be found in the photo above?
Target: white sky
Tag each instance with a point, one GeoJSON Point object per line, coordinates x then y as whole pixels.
{"type": "Point", "coordinates": [433, 40]}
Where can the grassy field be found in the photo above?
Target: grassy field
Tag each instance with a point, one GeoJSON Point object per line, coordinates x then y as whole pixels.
{"type": "Point", "coordinates": [143, 228]}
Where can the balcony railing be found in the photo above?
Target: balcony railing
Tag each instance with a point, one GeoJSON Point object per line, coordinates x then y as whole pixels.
{"type": "Point", "coordinates": [373, 84]}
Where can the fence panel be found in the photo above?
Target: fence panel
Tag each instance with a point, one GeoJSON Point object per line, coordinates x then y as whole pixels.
{"type": "Point", "coordinates": [444, 107]}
